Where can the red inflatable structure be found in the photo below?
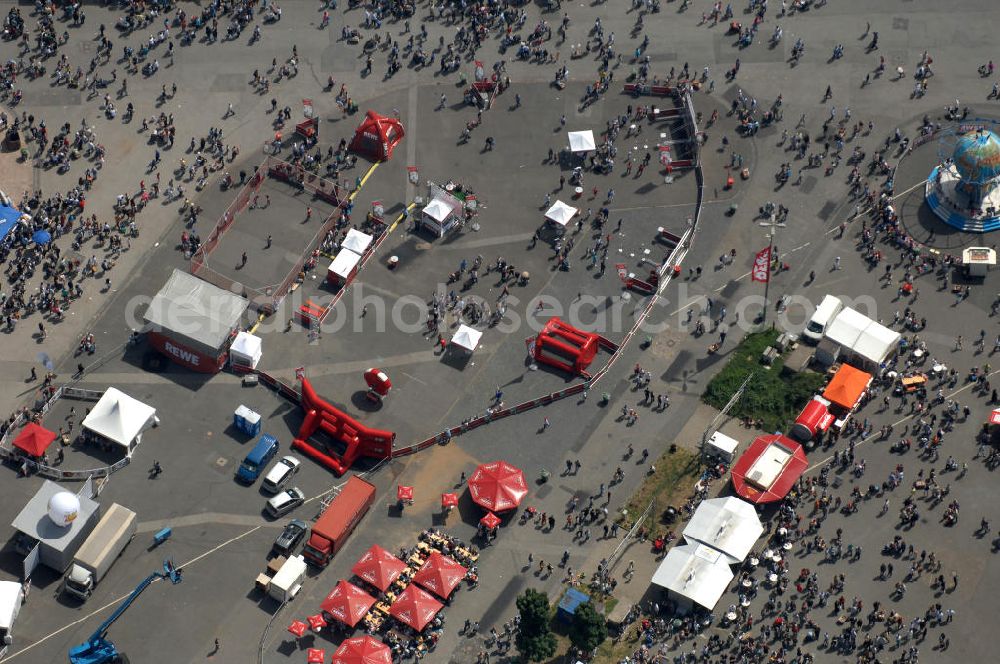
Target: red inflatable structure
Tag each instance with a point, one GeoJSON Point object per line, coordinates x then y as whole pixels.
{"type": "Point", "coordinates": [377, 136]}
{"type": "Point", "coordinates": [358, 440]}
{"type": "Point", "coordinates": [565, 347]}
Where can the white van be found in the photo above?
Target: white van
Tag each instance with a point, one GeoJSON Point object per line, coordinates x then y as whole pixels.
{"type": "Point", "coordinates": [11, 598]}
{"type": "Point", "coordinates": [822, 317]}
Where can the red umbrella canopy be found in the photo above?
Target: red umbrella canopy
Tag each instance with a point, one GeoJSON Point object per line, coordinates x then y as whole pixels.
{"type": "Point", "coordinates": [404, 492]}
{"type": "Point", "coordinates": [449, 500]}
{"type": "Point", "coordinates": [362, 650]}
{"type": "Point", "coordinates": [315, 656]}
{"type": "Point", "coordinates": [440, 574]}
{"type": "Point", "coordinates": [298, 628]}
{"type": "Point", "coordinates": [415, 608]}
{"type": "Point", "coordinates": [498, 486]}
{"type": "Point", "coordinates": [379, 567]}
{"type": "Point", "coordinates": [347, 603]}
{"type": "Point", "coordinates": [316, 622]}
{"type": "Point", "coordinates": [490, 520]}
{"type": "Point", "coordinates": [34, 439]}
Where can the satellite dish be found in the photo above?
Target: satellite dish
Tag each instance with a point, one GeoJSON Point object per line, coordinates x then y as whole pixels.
{"type": "Point", "coordinates": [64, 507]}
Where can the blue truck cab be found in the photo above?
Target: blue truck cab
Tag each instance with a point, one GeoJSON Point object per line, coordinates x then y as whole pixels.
{"type": "Point", "coordinates": [258, 458]}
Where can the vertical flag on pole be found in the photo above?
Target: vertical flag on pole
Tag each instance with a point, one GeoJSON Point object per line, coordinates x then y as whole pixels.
{"type": "Point", "coordinates": [761, 266]}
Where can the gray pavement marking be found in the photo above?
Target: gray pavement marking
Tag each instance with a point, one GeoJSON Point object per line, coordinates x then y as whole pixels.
{"type": "Point", "coordinates": [875, 436]}
{"type": "Point", "coordinates": [491, 241]}
{"type": "Point", "coordinates": [248, 520]}
{"type": "Point", "coordinates": [411, 145]}
{"type": "Point", "coordinates": [121, 599]}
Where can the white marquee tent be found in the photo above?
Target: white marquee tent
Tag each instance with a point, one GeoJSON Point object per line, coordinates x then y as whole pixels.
{"type": "Point", "coordinates": [343, 265]}
{"type": "Point", "coordinates": [356, 241]}
{"type": "Point", "coordinates": [729, 525]}
{"type": "Point", "coordinates": [859, 335]}
{"type": "Point", "coordinates": [467, 337]}
{"type": "Point", "coordinates": [246, 350]}
{"type": "Point", "coordinates": [581, 141]}
{"type": "Point", "coordinates": [694, 574]}
{"type": "Point", "coordinates": [120, 418]}
{"type": "Point", "coordinates": [560, 213]}
{"type": "Point", "coordinates": [441, 214]}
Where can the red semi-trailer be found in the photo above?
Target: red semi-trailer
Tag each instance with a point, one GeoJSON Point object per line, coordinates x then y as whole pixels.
{"type": "Point", "coordinates": [337, 522]}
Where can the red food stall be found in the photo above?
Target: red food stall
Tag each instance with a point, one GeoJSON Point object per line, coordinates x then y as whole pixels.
{"type": "Point", "coordinates": [814, 419]}
{"type": "Point", "coordinates": [768, 470]}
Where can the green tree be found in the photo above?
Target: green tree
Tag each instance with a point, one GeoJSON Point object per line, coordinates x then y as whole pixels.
{"type": "Point", "coordinates": [588, 629]}
{"type": "Point", "coordinates": [534, 640]}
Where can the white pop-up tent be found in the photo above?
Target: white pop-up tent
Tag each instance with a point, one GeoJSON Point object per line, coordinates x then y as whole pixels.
{"type": "Point", "coordinates": [694, 574]}
{"type": "Point", "coordinates": [246, 350]}
{"type": "Point", "coordinates": [581, 141]}
{"type": "Point", "coordinates": [356, 241]}
{"type": "Point", "coordinates": [729, 525]}
{"type": "Point", "coordinates": [344, 266]}
{"type": "Point", "coordinates": [466, 337]}
{"type": "Point", "coordinates": [441, 214]}
{"type": "Point", "coordinates": [560, 213]}
{"type": "Point", "coordinates": [119, 418]}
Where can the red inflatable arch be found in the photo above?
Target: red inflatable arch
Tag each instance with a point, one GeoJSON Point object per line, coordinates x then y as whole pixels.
{"type": "Point", "coordinates": [565, 347]}
{"type": "Point", "coordinates": [359, 440]}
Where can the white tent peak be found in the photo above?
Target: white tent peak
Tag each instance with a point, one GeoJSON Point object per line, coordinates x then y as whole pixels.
{"type": "Point", "coordinates": [561, 213]}
{"type": "Point", "coordinates": [581, 141]}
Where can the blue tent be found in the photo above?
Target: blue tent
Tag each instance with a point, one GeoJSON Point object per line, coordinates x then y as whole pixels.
{"type": "Point", "coordinates": [570, 601]}
{"type": "Point", "coordinates": [41, 237]}
{"type": "Point", "coordinates": [8, 219]}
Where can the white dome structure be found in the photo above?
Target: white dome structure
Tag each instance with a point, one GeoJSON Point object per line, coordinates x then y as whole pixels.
{"type": "Point", "coordinates": [64, 507]}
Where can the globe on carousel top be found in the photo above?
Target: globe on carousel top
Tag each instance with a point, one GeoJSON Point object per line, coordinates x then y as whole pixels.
{"type": "Point", "coordinates": [977, 156]}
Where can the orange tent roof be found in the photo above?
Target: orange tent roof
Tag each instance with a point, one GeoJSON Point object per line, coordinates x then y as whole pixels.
{"type": "Point", "coordinates": [847, 386]}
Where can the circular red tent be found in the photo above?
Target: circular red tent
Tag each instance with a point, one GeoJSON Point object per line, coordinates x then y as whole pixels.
{"type": "Point", "coordinates": [34, 439]}
{"type": "Point", "coordinates": [347, 603]}
{"type": "Point", "coordinates": [498, 486]}
{"type": "Point", "coordinates": [362, 650]}
{"type": "Point", "coordinates": [415, 608]}
{"type": "Point", "coordinates": [379, 567]}
{"type": "Point", "coordinates": [440, 574]}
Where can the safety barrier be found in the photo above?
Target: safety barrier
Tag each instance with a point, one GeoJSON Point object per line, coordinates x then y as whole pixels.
{"type": "Point", "coordinates": [81, 394]}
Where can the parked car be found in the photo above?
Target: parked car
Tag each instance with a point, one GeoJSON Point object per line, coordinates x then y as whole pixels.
{"type": "Point", "coordinates": [286, 543]}
{"type": "Point", "coordinates": [285, 502]}
{"type": "Point", "coordinates": [280, 473]}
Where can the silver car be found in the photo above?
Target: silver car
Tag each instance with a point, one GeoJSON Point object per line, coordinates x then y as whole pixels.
{"type": "Point", "coordinates": [282, 471]}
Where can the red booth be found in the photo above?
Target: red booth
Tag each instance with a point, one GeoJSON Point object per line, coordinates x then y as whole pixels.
{"type": "Point", "coordinates": [565, 347]}
{"type": "Point", "coordinates": [377, 136]}
{"type": "Point", "coordinates": [358, 439]}
{"type": "Point", "coordinates": [815, 418]}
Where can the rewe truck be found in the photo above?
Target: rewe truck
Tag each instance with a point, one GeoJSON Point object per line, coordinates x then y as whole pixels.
{"type": "Point", "coordinates": [99, 552]}
{"type": "Point", "coordinates": [337, 522]}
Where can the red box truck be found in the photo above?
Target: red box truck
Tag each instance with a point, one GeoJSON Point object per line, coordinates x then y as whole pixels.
{"type": "Point", "coordinates": [337, 522]}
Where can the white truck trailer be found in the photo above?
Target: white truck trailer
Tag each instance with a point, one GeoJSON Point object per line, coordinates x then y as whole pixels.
{"type": "Point", "coordinates": [99, 552]}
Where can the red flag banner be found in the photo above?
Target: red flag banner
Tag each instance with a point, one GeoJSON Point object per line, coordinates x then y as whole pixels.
{"type": "Point", "coordinates": [761, 266]}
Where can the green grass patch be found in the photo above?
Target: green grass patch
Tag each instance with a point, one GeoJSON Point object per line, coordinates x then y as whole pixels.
{"type": "Point", "coordinates": [776, 394]}
{"type": "Point", "coordinates": [673, 481]}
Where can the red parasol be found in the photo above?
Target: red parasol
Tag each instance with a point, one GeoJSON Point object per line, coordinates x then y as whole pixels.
{"type": "Point", "coordinates": [347, 603]}
{"type": "Point", "coordinates": [415, 608]}
{"type": "Point", "coordinates": [316, 622]}
{"type": "Point", "coordinates": [440, 574]}
{"type": "Point", "coordinates": [315, 656]}
{"type": "Point", "coordinates": [362, 650]}
{"type": "Point", "coordinates": [498, 486]}
{"type": "Point", "coordinates": [449, 500]}
{"type": "Point", "coordinates": [490, 520]}
{"type": "Point", "coordinates": [379, 567]}
{"type": "Point", "coordinates": [995, 416]}
{"type": "Point", "coordinates": [404, 492]}
{"type": "Point", "coordinates": [34, 439]}
{"type": "Point", "coordinates": [298, 628]}
{"type": "Point", "coordinates": [378, 381]}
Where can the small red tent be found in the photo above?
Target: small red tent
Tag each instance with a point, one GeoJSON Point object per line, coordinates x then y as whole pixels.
{"type": "Point", "coordinates": [415, 608]}
{"type": "Point", "coordinates": [347, 603]}
{"type": "Point", "coordinates": [379, 567]}
{"type": "Point", "coordinates": [362, 650]}
{"type": "Point", "coordinates": [440, 574]}
{"type": "Point", "coordinates": [377, 136]}
{"type": "Point", "coordinates": [498, 486]}
{"type": "Point", "coordinates": [34, 439]}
